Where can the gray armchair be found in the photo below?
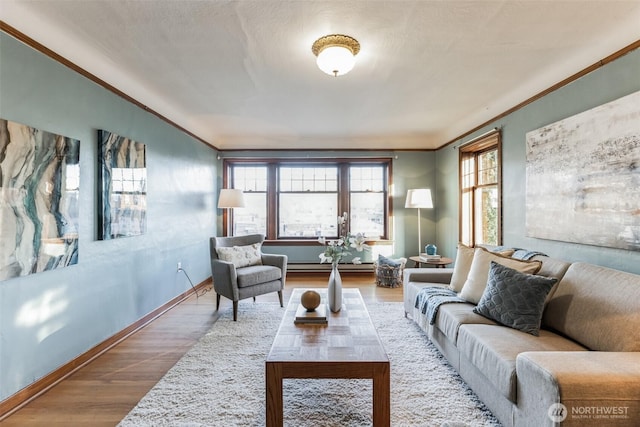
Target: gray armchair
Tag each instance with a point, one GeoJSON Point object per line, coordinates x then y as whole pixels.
{"type": "Point", "coordinates": [244, 282]}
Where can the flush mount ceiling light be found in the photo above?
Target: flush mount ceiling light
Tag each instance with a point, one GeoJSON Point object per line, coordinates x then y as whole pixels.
{"type": "Point", "coordinates": [336, 53]}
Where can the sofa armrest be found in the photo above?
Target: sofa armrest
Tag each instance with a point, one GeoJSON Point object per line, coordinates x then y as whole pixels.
{"type": "Point", "coordinates": [428, 275]}
{"type": "Point", "coordinates": [593, 386]}
{"type": "Point", "coordinates": [416, 278]}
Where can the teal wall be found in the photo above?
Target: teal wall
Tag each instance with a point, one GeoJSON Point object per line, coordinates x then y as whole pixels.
{"type": "Point", "coordinates": [610, 82]}
{"type": "Point", "coordinates": [410, 169]}
{"type": "Point", "coordinates": [49, 318]}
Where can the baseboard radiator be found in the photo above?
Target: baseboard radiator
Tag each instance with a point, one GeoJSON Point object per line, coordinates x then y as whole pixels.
{"type": "Point", "coordinates": [319, 268]}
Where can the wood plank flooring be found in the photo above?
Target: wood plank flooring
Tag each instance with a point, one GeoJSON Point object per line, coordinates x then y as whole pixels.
{"type": "Point", "coordinates": [104, 391]}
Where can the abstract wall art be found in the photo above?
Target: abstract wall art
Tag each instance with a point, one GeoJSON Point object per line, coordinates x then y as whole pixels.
{"type": "Point", "coordinates": [122, 195]}
{"type": "Point", "coordinates": [39, 190]}
{"type": "Point", "coordinates": [583, 177]}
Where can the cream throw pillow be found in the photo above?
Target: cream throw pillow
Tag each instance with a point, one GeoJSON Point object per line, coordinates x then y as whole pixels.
{"type": "Point", "coordinates": [461, 269]}
{"type": "Point", "coordinates": [506, 252]}
{"type": "Point", "coordinates": [462, 266]}
{"type": "Point", "coordinates": [479, 272]}
{"type": "Point", "coordinates": [241, 256]}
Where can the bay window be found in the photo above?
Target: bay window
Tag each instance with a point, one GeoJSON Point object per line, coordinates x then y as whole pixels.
{"type": "Point", "coordinates": [302, 199]}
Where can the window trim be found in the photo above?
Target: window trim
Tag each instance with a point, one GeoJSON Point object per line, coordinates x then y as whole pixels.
{"type": "Point", "coordinates": [273, 164]}
{"type": "Point", "coordinates": [475, 147]}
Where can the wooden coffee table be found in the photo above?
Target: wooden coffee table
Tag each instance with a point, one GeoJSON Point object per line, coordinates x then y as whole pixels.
{"type": "Point", "coordinates": [348, 347]}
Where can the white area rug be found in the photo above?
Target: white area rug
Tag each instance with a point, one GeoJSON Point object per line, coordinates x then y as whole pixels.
{"type": "Point", "coordinates": [220, 381]}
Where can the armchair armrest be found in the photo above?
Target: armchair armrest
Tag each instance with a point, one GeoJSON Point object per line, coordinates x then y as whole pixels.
{"type": "Point", "coordinates": [277, 260]}
{"type": "Point", "coordinates": [593, 386]}
{"type": "Point", "coordinates": [225, 279]}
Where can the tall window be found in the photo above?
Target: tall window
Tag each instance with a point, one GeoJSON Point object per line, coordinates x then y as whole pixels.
{"type": "Point", "coordinates": [367, 195]}
{"type": "Point", "coordinates": [307, 201]}
{"type": "Point", "coordinates": [480, 191]}
{"type": "Point", "coordinates": [253, 217]}
{"type": "Point", "coordinates": [293, 199]}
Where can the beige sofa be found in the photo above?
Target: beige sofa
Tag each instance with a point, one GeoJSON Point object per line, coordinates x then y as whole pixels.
{"type": "Point", "coordinates": [583, 368]}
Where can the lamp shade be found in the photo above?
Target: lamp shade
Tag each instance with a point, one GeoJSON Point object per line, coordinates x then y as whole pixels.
{"type": "Point", "coordinates": [231, 198]}
{"type": "Point", "coordinates": [419, 198]}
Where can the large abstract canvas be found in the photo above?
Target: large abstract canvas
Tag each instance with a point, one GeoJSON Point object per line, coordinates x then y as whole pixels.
{"type": "Point", "coordinates": [123, 186]}
{"type": "Point", "coordinates": [39, 189]}
{"type": "Point", "coordinates": [583, 177]}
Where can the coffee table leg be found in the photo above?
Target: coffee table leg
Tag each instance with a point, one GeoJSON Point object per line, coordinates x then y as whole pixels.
{"type": "Point", "coordinates": [381, 397]}
{"type": "Point", "coordinates": [274, 394]}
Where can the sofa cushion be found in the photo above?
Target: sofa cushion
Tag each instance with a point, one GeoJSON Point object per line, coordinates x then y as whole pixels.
{"type": "Point", "coordinates": [461, 268]}
{"type": "Point", "coordinates": [257, 274]}
{"type": "Point", "coordinates": [493, 350]}
{"type": "Point", "coordinates": [241, 256]}
{"type": "Point", "coordinates": [551, 267]}
{"type": "Point", "coordinates": [598, 307]}
{"type": "Point", "coordinates": [514, 299]}
{"type": "Point", "coordinates": [478, 275]}
{"type": "Point", "coordinates": [451, 316]}
{"type": "Point", "coordinates": [464, 258]}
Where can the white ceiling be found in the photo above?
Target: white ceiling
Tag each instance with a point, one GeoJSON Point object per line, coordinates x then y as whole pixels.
{"type": "Point", "coordinates": [241, 75]}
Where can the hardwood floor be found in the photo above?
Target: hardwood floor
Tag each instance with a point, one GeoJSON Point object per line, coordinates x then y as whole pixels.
{"type": "Point", "coordinates": [104, 391]}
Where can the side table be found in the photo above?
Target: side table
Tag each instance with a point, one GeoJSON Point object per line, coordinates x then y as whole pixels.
{"type": "Point", "coordinates": [438, 263]}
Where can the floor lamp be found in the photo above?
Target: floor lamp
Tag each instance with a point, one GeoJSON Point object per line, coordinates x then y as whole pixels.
{"type": "Point", "coordinates": [230, 198]}
{"type": "Point", "coordinates": [419, 198]}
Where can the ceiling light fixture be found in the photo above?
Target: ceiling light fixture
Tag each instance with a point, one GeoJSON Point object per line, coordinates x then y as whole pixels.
{"type": "Point", "coordinates": [336, 53]}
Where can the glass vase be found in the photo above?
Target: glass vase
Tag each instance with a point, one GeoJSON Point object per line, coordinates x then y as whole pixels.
{"type": "Point", "coordinates": [334, 290]}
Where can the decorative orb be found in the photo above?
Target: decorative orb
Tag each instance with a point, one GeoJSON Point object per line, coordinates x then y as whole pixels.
{"type": "Point", "coordinates": [310, 300]}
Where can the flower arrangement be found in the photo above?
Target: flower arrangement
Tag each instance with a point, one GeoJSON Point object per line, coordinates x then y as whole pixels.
{"type": "Point", "coordinates": [337, 249]}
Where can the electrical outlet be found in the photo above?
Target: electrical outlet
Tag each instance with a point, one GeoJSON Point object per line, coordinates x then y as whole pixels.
{"type": "Point", "coordinates": [179, 266]}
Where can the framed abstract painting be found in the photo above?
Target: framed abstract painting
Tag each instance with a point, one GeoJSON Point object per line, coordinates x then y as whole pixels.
{"type": "Point", "coordinates": [39, 192]}
{"type": "Point", "coordinates": [122, 193]}
{"type": "Point", "coordinates": [583, 177]}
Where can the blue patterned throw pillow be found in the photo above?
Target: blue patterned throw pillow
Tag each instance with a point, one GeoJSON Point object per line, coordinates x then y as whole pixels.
{"type": "Point", "coordinates": [514, 299]}
{"type": "Point", "coordinates": [383, 260]}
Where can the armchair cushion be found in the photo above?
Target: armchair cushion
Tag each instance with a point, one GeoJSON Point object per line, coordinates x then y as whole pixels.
{"type": "Point", "coordinates": [256, 274]}
{"type": "Point", "coordinates": [241, 256]}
